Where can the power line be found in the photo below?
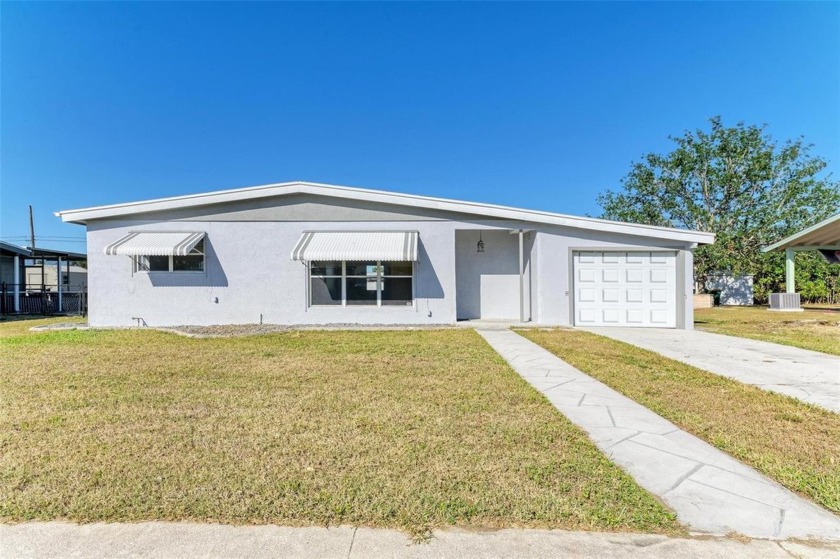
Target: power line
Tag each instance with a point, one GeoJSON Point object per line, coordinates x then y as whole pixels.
{"type": "Point", "coordinates": [50, 237]}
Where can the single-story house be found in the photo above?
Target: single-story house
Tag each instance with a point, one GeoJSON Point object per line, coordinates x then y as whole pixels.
{"type": "Point", "coordinates": [301, 253]}
{"type": "Point", "coordinates": [73, 276]}
{"type": "Point", "coordinates": [26, 271]}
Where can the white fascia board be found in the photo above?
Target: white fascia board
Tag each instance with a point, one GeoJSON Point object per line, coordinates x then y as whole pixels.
{"type": "Point", "coordinates": [796, 236]}
{"type": "Point", "coordinates": [487, 210]}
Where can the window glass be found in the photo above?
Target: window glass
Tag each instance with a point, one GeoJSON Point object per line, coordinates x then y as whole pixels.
{"type": "Point", "coordinates": [199, 248]}
{"type": "Point", "coordinates": [326, 268]}
{"type": "Point", "coordinates": [190, 263]}
{"type": "Point", "coordinates": [361, 269]}
{"type": "Point", "coordinates": [365, 283]}
{"type": "Point", "coordinates": [396, 268]}
{"type": "Point", "coordinates": [154, 263]}
{"type": "Point", "coordinates": [397, 291]}
{"type": "Point", "coordinates": [361, 291]}
{"type": "Point", "coordinates": [325, 291]}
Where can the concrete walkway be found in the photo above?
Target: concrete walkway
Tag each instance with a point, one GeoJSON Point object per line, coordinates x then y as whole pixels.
{"type": "Point", "coordinates": [811, 376]}
{"type": "Point", "coordinates": [710, 491]}
{"type": "Point", "coordinates": [165, 540]}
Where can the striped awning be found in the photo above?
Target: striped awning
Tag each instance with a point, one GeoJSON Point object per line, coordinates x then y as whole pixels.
{"type": "Point", "coordinates": [148, 243]}
{"type": "Point", "coordinates": [357, 246]}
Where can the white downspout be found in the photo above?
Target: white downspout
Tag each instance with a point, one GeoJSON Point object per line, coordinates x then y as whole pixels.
{"type": "Point", "coordinates": [17, 283]}
{"type": "Point", "coordinates": [521, 276]}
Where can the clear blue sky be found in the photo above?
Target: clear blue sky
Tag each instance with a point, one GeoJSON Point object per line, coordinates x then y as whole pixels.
{"type": "Point", "coordinates": [532, 105]}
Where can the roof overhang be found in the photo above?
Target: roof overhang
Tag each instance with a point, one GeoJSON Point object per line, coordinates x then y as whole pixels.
{"type": "Point", "coordinates": [823, 235]}
{"type": "Point", "coordinates": [14, 249]}
{"type": "Point", "coordinates": [40, 252]}
{"type": "Point", "coordinates": [83, 215]}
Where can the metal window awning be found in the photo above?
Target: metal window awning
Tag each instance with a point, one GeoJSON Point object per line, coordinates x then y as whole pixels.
{"type": "Point", "coordinates": [149, 243]}
{"type": "Point", "coordinates": [357, 246]}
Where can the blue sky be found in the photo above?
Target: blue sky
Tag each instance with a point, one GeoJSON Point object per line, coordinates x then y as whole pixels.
{"type": "Point", "coordinates": [532, 105]}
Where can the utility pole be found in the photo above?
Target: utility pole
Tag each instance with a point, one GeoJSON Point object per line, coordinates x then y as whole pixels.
{"type": "Point", "coordinates": [31, 230]}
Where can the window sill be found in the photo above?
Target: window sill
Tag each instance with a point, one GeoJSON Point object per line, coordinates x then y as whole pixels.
{"type": "Point", "coordinates": [376, 307]}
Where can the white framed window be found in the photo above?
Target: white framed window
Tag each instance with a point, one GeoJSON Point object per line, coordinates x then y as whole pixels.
{"type": "Point", "coordinates": [372, 283]}
{"type": "Point", "coordinates": [192, 262]}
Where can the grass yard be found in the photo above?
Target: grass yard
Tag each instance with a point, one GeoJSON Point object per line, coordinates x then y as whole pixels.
{"type": "Point", "coordinates": [795, 443]}
{"type": "Point", "coordinates": [815, 329]}
{"type": "Point", "coordinates": [394, 428]}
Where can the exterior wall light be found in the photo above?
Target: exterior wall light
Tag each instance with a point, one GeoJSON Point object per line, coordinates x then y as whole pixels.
{"type": "Point", "coordinates": [479, 247]}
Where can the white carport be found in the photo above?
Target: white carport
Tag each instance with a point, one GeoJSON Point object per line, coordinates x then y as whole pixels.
{"type": "Point", "coordinates": [823, 237]}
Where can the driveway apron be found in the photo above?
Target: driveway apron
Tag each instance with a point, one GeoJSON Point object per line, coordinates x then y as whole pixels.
{"type": "Point", "coordinates": [710, 491]}
{"type": "Point", "coordinates": [810, 376]}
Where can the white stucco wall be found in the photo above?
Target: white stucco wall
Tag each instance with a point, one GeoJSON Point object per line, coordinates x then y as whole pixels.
{"type": "Point", "coordinates": [249, 273]}
{"type": "Point", "coordinates": [553, 253]}
{"type": "Point", "coordinates": [250, 277]}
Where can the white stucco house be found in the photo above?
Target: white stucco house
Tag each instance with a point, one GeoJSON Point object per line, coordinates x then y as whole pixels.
{"type": "Point", "coordinates": [301, 253]}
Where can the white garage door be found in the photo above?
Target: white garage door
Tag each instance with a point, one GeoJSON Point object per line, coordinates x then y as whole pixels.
{"type": "Point", "coordinates": [614, 288]}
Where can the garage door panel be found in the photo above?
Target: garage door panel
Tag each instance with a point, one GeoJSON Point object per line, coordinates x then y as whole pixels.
{"type": "Point", "coordinates": [659, 317]}
{"type": "Point", "coordinates": [658, 296]}
{"type": "Point", "coordinates": [587, 295]}
{"type": "Point", "coordinates": [610, 316]}
{"type": "Point", "coordinates": [610, 295]}
{"type": "Point", "coordinates": [610, 275]}
{"type": "Point", "coordinates": [635, 275]}
{"type": "Point", "coordinates": [634, 295]}
{"type": "Point", "coordinates": [625, 288]}
{"type": "Point", "coordinates": [587, 275]}
{"type": "Point", "coordinates": [658, 276]}
{"type": "Point", "coordinates": [635, 316]}
{"type": "Point", "coordinates": [587, 316]}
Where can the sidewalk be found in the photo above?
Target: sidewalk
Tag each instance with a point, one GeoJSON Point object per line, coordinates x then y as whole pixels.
{"type": "Point", "coordinates": [165, 540]}
{"type": "Point", "coordinates": [710, 491]}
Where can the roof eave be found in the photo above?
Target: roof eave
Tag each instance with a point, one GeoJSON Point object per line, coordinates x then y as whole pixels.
{"type": "Point", "coordinates": [83, 215]}
{"type": "Point", "coordinates": [788, 241]}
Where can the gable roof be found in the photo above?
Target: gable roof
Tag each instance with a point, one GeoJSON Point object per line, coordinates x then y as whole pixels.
{"type": "Point", "coordinates": [826, 233]}
{"type": "Point", "coordinates": [84, 215]}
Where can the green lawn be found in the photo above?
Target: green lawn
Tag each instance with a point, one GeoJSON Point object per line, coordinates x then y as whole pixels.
{"type": "Point", "coordinates": [400, 429]}
{"type": "Point", "coordinates": [795, 443]}
{"type": "Point", "coordinates": [817, 329]}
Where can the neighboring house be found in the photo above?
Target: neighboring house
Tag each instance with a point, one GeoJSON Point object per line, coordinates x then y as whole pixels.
{"type": "Point", "coordinates": [734, 290]}
{"type": "Point", "coordinates": [72, 276]}
{"type": "Point", "coordinates": [28, 271]}
{"type": "Point", "coordinates": [12, 262]}
{"type": "Point", "coordinates": [302, 253]}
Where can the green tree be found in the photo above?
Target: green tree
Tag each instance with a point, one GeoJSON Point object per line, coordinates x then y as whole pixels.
{"type": "Point", "coordinates": [736, 182]}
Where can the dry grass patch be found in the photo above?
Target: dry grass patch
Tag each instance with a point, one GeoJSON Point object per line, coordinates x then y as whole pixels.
{"type": "Point", "coordinates": [817, 329]}
{"type": "Point", "coordinates": [795, 443]}
{"type": "Point", "coordinates": [396, 429]}
{"type": "Point", "coordinates": [20, 325]}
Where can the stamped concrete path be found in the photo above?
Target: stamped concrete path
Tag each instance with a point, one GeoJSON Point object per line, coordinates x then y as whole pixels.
{"type": "Point", "coordinates": [810, 376]}
{"type": "Point", "coordinates": [710, 491]}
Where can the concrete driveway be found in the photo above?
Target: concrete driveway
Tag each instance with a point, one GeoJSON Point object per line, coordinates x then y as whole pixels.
{"type": "Point", "coordinates": [807, 375]}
